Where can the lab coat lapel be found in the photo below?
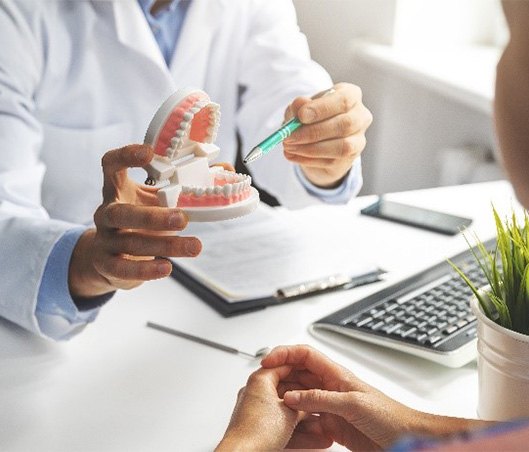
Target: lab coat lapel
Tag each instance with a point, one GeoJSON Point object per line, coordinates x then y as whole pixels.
{"type": "Point", "coordinates": [190, 60]}
{"type": "Point", "coordinates": [133, 31]}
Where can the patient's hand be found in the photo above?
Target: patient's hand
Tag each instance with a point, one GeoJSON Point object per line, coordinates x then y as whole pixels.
{"type": "Point", "coordinates": [352, 413]}
{"type": "Point", "coordinates": [261, 421]}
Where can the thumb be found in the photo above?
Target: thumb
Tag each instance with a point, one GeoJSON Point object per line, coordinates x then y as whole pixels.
{"type": "Point", "coordinates": [318, 401]}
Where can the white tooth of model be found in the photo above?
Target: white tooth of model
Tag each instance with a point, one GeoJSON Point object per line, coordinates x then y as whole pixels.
{"type": "Point", "coordinates": [180, 166]}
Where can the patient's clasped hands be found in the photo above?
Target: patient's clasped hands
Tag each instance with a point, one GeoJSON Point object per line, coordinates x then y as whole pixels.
{"type": "Point", "coordinates": [302, 399]}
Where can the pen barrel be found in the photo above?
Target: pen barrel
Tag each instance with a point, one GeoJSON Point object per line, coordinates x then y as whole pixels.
{"type": "Point", "coordinates": [283, 133]}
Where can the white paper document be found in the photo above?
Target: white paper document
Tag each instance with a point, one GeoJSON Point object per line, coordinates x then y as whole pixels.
{"type": "Point", "coordinates": [271, 249]}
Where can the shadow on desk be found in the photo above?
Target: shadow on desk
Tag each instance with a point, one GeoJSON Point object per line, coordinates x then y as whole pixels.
{"type": "Point", "coordinates": [419, 376]}
{"type": "Point", "coordinates": [26, 362]}
{"type": "Point", "coordinates": [17, 343]}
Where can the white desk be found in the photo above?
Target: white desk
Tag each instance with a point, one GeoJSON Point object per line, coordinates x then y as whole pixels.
{"type": "Point", "coordinates": [121, 386]}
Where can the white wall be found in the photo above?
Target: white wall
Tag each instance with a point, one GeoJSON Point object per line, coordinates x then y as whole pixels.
{"type": "Point", "coordinates": [330, 25]}
{"type": "Point", "coordinates": [445, 22]}
{"type": "Point", "coordinates": [411, 124]}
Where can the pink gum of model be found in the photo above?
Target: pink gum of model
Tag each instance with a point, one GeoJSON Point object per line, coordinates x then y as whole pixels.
{"type": "Point", "coordinates": [183, 147]}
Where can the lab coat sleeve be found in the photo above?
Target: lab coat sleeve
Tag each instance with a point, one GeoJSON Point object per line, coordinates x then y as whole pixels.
{"type": "Point", "coordinates": [57, 314]}
{"type": "Point", "coordinates": [27, 234]}
{"type": "Point", "coordinates": [276, 67]}
{"type": "Point", "coordinates": [349, 187]}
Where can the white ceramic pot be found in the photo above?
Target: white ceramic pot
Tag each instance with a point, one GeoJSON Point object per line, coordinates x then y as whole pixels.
{"type": "Point", "coordinates": [503, 370]}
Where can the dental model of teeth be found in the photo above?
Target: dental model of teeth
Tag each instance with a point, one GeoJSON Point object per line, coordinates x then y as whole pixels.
{"type": "Point", "coordinates": [182, 133]}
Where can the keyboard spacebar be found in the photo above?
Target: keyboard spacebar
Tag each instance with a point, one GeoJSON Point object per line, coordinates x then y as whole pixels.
{"type": "Point", "coordinates": [423, 289]}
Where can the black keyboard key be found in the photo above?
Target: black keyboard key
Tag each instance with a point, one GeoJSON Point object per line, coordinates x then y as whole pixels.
{"type": "Point", "coordinates": [376, 313]}
{"type": "Point", "coordinates": [412, 336]}
{"type": "Point", "coordinates": [362, 321]}
{"type": "Point", "coordinates": [431, 331]}
{"type": "Point", "coordinates": [433, 339]}
{"type": "Point", "coordinates": [461, 323]}
{"type": "Point", "coordinates": [392, 327]}
{"type": "Point", "coordinates": [390, 305]}
{"type": "Point", "coordinates": [375, 326]}
{"type": "Point", "coordinates": [421, 324]}
{"type": "Point", "coordinates": [422, 337]}
{"type": "Point", "coordinates": [399, 313]}
{"type": "Point", "coordinates": [451, 329]}
{"type": "Point", "coordinates": [407, 330]}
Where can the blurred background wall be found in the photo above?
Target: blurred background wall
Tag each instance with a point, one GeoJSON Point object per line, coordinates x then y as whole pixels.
{"type": "Point", "coordinates": [426, 68]}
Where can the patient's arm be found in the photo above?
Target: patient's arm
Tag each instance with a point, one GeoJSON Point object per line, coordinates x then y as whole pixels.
{"type": "Point", "coordinates": [512, 99]}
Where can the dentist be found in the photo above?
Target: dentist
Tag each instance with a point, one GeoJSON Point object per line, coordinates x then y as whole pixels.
{"type": "Point", "coordinates": [78, 78]}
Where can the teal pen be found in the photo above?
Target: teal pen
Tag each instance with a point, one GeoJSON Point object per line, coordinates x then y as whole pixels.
{"type": "Point", "coordinates": [265, 146]}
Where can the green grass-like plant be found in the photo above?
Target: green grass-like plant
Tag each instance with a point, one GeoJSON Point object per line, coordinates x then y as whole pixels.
{"type": "Point", "coordinates": [507, 271]}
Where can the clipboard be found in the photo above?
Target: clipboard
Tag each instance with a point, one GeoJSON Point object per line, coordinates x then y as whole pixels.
{"type": "Point", "coordinates": [283, 295]}
{"type": "Point", "coordinates": [271, 257]}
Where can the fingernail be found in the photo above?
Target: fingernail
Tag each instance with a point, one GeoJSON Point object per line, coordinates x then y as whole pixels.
{"type": "Point", "coordinates": [307, 115]}
{"type": "Point", "coordinates": [193, 247]}
{"type": "Point", "coordinates": [164, 268]}
{"type": "Point", "coordinates": [141, 153]}
{"type": "Point", "coordinates": [176, 220]}
{"type": "Point", "coordinates": [292, 398]}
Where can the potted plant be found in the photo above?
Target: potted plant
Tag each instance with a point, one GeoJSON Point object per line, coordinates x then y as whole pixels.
{"type": "Point", "coordinates": [502, 310]}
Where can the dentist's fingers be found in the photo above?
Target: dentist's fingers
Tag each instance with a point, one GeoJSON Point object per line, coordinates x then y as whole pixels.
{"type": "Point", "coordinates": [143, 244]}
{"type": "Point", "coordinates": [226, 166]}
{"type": "Point", "coordinates": [341, 126]}
{"type": "Point", "coordinates": [337, 148]}
{"type": "Point", "coordinates": [115, 164]}
{"type": "Point", "coordinates": [345, 97]}
{"type": "Point", "coordinates": [129, 216]}
{"type": "Point", "coordinates": [124, 273]}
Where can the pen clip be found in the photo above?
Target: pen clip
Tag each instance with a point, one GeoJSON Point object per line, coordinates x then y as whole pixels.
{"type": "Point", "coordinates": [333, 282]}
{"type": "Point", "coordinates": [325, 92]}
{"type": "Point", "coordinates": [318, 285]}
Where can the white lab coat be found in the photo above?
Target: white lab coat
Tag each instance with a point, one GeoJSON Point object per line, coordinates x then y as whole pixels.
{"type": "Point", "coordinates": [78, 78]}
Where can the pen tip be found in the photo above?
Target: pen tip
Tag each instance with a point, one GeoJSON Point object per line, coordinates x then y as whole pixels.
{"type": "Point", "coordinates": [253, 155]}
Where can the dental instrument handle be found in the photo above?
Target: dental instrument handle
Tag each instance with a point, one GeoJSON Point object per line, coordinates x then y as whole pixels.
{"type": "Point", "coordinates": [197, 339]}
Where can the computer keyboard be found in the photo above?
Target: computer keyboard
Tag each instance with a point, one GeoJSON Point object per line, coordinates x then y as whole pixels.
{"type": "Point", "coordinates": [427, 314]}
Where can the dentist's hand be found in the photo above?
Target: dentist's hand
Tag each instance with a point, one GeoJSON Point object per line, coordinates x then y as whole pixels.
{"type": "Point", "coordinates": [333, 135]}
{"type": "Point", "coordinates": [131, 229]}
